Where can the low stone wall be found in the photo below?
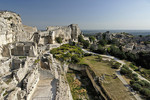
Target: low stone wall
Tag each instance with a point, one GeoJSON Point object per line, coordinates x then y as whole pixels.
{"type": "Point", "coordinates": [78, 67]}
{"type": "Point", "coordinates": [30, 82]}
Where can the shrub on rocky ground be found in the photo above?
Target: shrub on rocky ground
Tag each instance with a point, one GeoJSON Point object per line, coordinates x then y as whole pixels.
{"type": "Point", "coordinates": [58, 39]}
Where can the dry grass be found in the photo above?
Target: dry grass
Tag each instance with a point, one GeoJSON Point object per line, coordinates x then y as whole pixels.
{"type": "Point", "coordinates": [112, 85]}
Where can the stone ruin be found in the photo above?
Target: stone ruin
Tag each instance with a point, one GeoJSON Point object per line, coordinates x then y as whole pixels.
{"type": "Point", "coordinates": [25, 59]}
{"type": "Point", "coordinates": [24, 49]}
{"type": "Point", "coordinates": [65, 32]}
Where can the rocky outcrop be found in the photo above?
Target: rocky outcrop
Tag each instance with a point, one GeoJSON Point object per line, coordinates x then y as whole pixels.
{"type": "Point", "coordinates": [14, 94]}
{"type": "Point", "coordinates": [12, 29]}
{"type": "Point", "coordinates": [4, 66]}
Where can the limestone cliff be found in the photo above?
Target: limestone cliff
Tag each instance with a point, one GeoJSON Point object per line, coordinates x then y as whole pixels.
{"type": "Point", "coordinates": [12, 29]}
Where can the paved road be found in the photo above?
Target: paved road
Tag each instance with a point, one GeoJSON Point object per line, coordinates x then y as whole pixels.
{"type": "Point", "coordinates": [119, 75]}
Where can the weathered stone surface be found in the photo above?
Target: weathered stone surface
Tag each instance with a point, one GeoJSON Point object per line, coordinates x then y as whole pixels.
{"type": "Point", "coordinates": [20, 68]}
{"type": "Point", "coordinates": [75, 31]}
{"type": "Point", "coordinates": [3, 88]}
{"type": "Point", "coordinates": [24, 49]}
{"type": "Point", "coordinates": [12, 30]}
{"type": "Point", "coordinates": [65, 32]}
{"type": "Point", "coordinates": [14, 94]}
{"type": "Point", "coordinates": [29, 31]}
{"type": "Point", "coordinates": [4, 66]}
{"type": "Point", "coordinates": [30, 82]}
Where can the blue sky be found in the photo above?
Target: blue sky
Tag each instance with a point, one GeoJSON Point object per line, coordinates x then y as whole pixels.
{"type": "Point", "coordinates": [88, 14]}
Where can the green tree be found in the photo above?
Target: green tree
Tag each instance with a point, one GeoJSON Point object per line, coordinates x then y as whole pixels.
{"type": "Point", "coordinates": [102, 42]}
{"type": "Point", "coordinates": [136, 86]}
{"type": "Point", "coordinates": [116, 65]}
{"type": "Point", "coordinates": [80, 38]}
{"type": "Point", "coordinates": [58, 39]}
{"type": "Point", "coordinates": [101, 50]}
{"type": "Point", "coordinates": [86, 44]}
{"type": "Point", "coordinates": [75, 59]}
{"type": "Point", "coordinates": [92, 38]}
{"type": "Point", "coordinates": [145, 92]}
{"type": "Point", "coordinates": [99, 58]}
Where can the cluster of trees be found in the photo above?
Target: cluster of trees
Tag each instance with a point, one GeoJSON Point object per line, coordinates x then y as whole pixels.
{"type": "Point", "coordinates": [116, 65]}
{"type": "Point", "coordinates": [118, 52]}
{"type": "Point", "coordinates": [140, 59]}
{"type": "Point", "coordinates": [127, 72]}
{"type": "Point", "coordinates": [141, 86]}
{"type": "Point", "coordinates": [68, 53]}
{"type": "Point", "coordinates": [143, 59]}
{"type": "Point", "coordinates": [85, 43]}
{"type": "Point", "coordinates": [92, 39]}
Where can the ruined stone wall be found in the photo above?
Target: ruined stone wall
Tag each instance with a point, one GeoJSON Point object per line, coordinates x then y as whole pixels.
{"type": "Point", "coordinates": [75, 31]}
{"type": "Point", "coordinates": [77, 67]}
{"type": "Point", "coordinates": [65, 32]}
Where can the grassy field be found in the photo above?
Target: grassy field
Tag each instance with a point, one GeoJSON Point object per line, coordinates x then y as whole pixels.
{"type": "Point", "coordinates": [112, 84]}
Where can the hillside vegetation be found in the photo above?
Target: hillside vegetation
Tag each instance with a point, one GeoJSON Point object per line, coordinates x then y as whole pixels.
{"type": "Point", "coordinates": [68, 53]}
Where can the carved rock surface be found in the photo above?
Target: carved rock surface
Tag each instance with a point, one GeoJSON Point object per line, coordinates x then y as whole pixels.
{"type": "Point", "coordinates": [12, 29]}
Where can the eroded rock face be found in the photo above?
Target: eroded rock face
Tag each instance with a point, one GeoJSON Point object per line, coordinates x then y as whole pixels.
{"type": "Point", "coordinates": [29, 83]}
{"type": "Point", "coordinates": [4, 66]}
{"type": "Point", "coordinates": [12, 29]}
{"type": "Point", "coordinates": [14, 94]}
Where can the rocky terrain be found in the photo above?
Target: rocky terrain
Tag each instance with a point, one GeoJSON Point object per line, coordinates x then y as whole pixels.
{"type": "Point", "coordinates": [26, 62]}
